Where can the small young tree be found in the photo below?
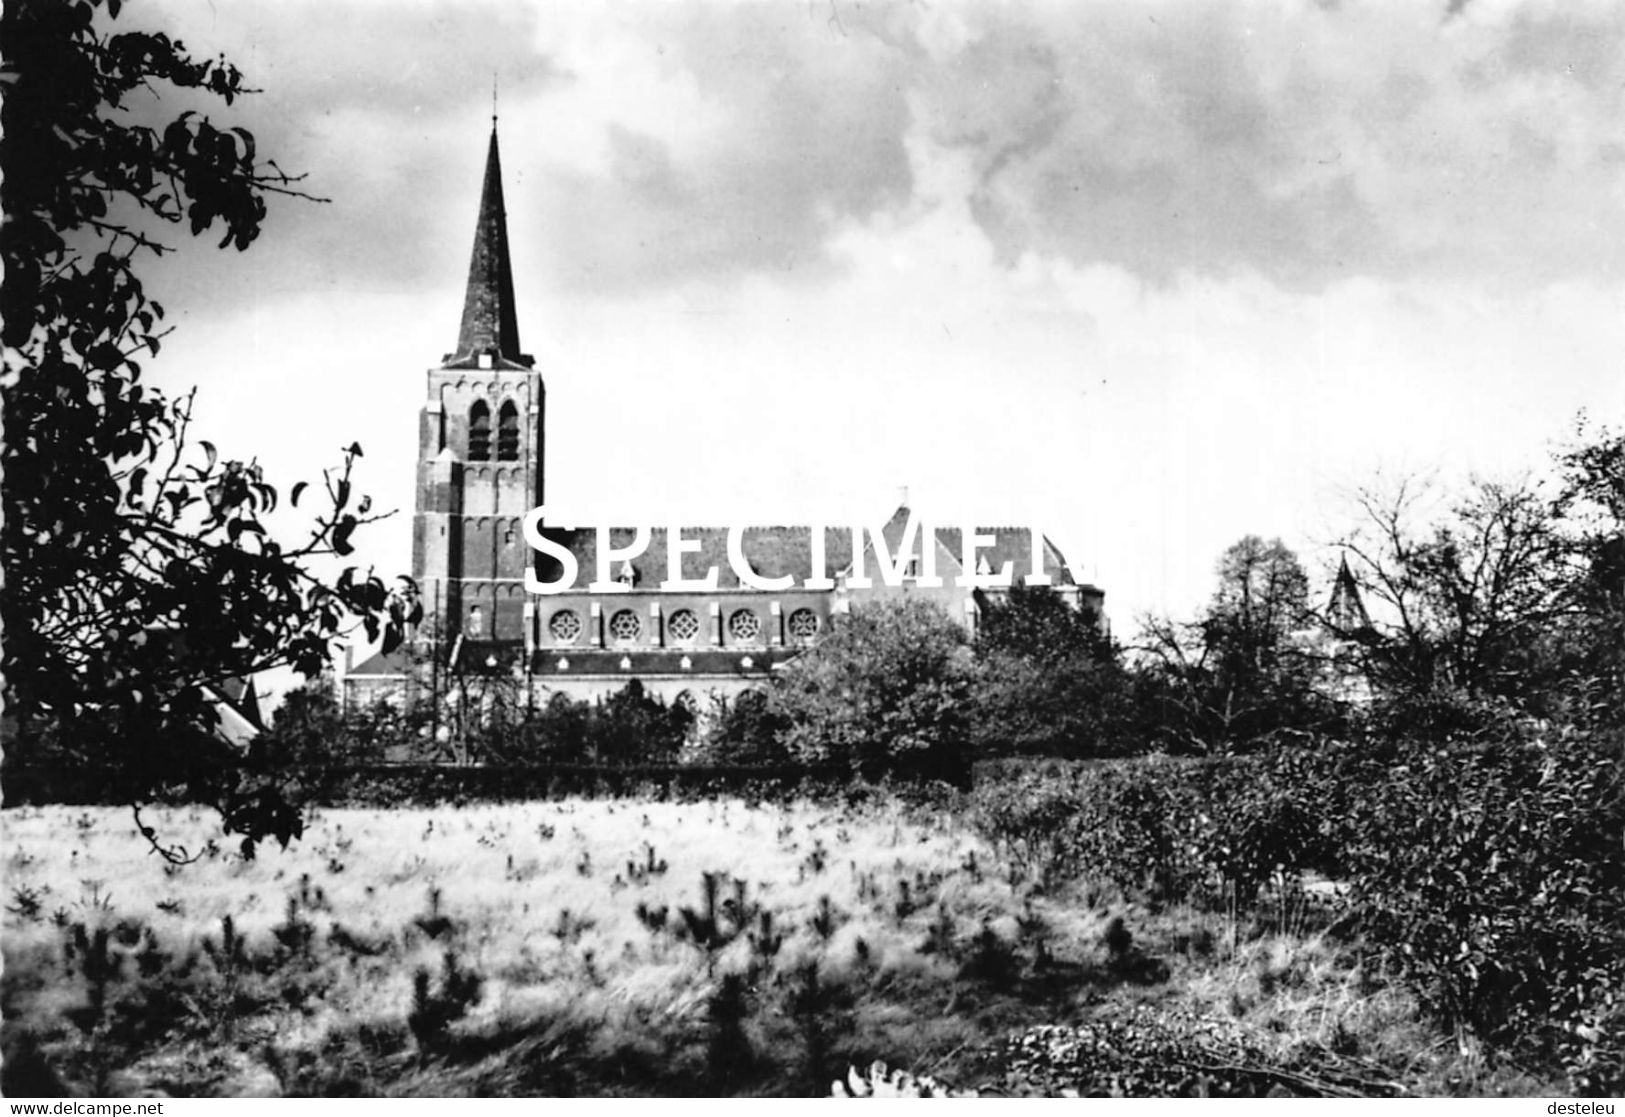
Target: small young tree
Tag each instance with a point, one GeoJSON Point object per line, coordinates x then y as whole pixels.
{"type": "Point", "coordinates": [890, 688]}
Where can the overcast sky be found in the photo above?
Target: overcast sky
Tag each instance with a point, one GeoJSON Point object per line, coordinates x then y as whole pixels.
{"type": "Point", "coordinates": [1154, 275]}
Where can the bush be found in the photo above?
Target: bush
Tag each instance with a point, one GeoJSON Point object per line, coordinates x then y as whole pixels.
{"type": "Point", "coordinates": [888, 690]}
{"type": "Point", "coordinates": [746, 730]}
{"type": "Point", "coordinates": [1494, 879]}
{"type": "Point", "coordinates": [1212, 831]}
{"type": "Point", "coordinates": [1076, 707]}
{"type": "Point", "coordinates": [1128, 824]}
{"type": "Point", "coordinates": [1049, 681]}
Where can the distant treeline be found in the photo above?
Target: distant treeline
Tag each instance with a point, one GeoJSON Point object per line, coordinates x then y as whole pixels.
{"type": "Point", "coordinates": [424, 785]}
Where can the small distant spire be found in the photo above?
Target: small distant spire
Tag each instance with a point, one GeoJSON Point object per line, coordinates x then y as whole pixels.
{"type": "Point", "coordinates": [1346, 610]}
{"type": "Point", "coordinates": [493, 100]}
{"type": "Point", "coordinates": [489, 333]}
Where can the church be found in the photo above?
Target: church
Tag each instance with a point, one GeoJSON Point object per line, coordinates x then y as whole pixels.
{"type": "Point", "coordinates": [686, 611]}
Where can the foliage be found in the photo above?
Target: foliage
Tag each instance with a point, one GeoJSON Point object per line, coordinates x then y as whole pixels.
{"type": "Point", "coordinates": [629, 727]}
{"type": "Point", "coordinates": [436, 1009]}
{"type": "Point", "coordinates": [1459, 601]}
{"type": "Point", "coordinates": [888, 689]}
{"type": "Point", "coordinates": [867, 959]}
{"type": "Point", "coordinates": [1159, 1054]}
{"type": "Point", "coordinates": [309, 728]}
{"type": "Point", "coordinates": [1169, 831]}
{"type": "Point", "coordinates": [1049, 681]}
{"type": "Point", "coordinates": [472, 716]}
{"type": "Point", "coordinates": [1506, 603]}
{"type": "Point", "coordinates": [633, 727]}
{"type": "Point", "coordinates": [1492, 877]}
{"type": "Point", "coordinates": [1587, 645]}
{"type": "Point", "coordinates": [1244, 671]}
{"type": "Point", "coordinates": [1035, 623]}
{"type": "Point", "coordinates": [138, 569]}
{"type": "Point", "coordinates": [745, 730]}
{"type": "Point", "coordinates": [1486, 877]}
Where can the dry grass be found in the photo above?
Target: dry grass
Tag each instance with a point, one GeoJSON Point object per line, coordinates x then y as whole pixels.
{"type": "Point", "coordinates": [862, 935]}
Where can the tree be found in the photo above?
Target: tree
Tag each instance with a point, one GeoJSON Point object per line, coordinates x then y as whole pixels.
{"type": "Point", "coordinates": [1243, 670]}
{"type": "Point", "coordinates": [471, 710]}
{"type": "Point", "coordinates": [1036, 624]}
{"type": "Point", "coordinates": [138, 569]}
{"type": "Point", "coordinates": [1589, 641]}
{"type": "Point", "coordinates": [888, 689]}
{"type": "Point", "coordinates": [1049, 681]}
{"type": "Point", "coordinates": [1460, 599]}
{"type": "Point", "coordinates": [632, 726]}
{"type": "Point", "coordinates": [310, 729]}
{"type": "Point", "coordinates": [746, 729]}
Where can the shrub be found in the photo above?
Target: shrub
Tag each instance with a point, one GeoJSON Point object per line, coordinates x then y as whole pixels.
{"type": "Point", "coordinates": [746, 730]}
{"type": "Point", "coordinates": [887, 690]}
{"type": "Point", "coordinates": [1129, 824]}
{"type": "Point", "coordinates": [1493, 877]}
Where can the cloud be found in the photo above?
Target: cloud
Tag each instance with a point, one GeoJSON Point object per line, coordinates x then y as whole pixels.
{"type": "Point", "coordinates": [758, 132]}
{"type": "Point", "coordinates": [1304, 143]}
{"type": "Point", "coordinates": [1158, 274]}
{"type": "Point", "coordinates": [652, 144]}
{"type": "Point", "coordinates": [381, 107]}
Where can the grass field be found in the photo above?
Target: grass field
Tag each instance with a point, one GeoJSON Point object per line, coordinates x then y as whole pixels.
{"type": "Point", "coordinates": [652, 948]}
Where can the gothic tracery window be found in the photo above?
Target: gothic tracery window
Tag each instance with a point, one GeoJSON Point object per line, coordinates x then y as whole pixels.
{"type": "Point", "coordinates": [683, 626]}
{"type": "Point", "coordinates": [508, 433]}
{"type": "Point", "coordinates": [479, 432]}
{"type": "Point", "coordinates": [565, 627]}
{"type": "Point", "coordinates": [803, 625]}
{"type": "Point", "coordinates": [744, 626]}
{"type": "Point", "coordinates": [625, 627]}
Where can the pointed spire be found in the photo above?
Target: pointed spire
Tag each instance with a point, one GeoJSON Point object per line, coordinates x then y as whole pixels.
{"type": "Point", "coordinates": [1346, 610]}
{"type": "Point", "coordinates": [490, 326]}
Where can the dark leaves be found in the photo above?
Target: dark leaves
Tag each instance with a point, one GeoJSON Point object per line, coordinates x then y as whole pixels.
{"type": "Point", "coordinates": [139, 573]}
{"type": "Point", "coordinates": [341, 535]}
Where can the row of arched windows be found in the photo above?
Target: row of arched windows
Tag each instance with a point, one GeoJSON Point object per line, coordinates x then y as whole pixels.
{"type": "Point", "coordinates": [479, 432]}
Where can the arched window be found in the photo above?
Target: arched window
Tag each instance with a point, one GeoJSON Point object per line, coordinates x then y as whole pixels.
{"type": "Point", "coordinates": [508, 433]}
{"type": "Point", "coordinates": [479, 432]}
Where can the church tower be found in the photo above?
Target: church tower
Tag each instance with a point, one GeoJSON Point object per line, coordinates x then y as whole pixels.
{"type": "Point", "coordinates": [480, 450]}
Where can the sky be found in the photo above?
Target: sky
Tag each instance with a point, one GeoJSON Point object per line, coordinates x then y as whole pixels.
{"type": "Point", "coordinates": [1151, 275]}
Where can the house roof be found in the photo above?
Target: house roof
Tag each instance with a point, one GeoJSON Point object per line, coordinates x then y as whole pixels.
{"type": "Point", "coordinates": [398, 662]}
{"type": "Point", "coordinates": [234, 697]}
